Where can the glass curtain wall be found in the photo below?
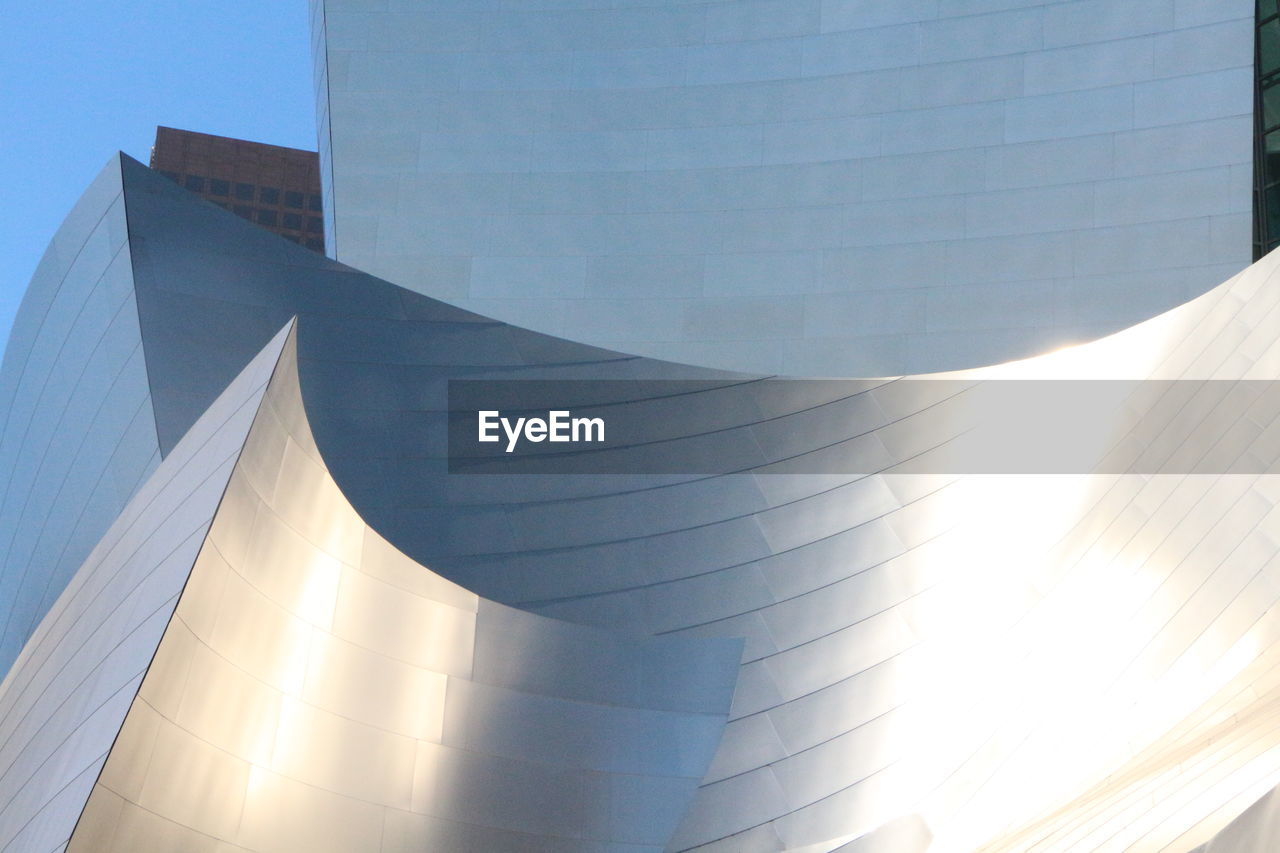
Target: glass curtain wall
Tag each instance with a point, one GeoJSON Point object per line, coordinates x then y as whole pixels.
{"type": "Point", "coordinates": [1266, 202]}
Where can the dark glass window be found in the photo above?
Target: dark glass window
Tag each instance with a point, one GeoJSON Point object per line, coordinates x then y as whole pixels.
{"type": "Point", "coordinates": [244, 210]}
{"type": "Point", "coordinates": [1269, 46]}
{"type": "Point", "coordinates": [313, 243]}
{"type": "Point", "coordinates": [244, 192]}
{"type": "Point", "coordinates": [195, 183]}
{"type": "Point", "coordinates": [1273, 211]}
{"type": "Point", "coordinates": [313, 202]}
{"type": "Point", "coordinates": [1266, 129]}
{"type": "Point", "coordinates": [219, 187]}
{"type": "Point", "coordinates": [173, 176]}
{"type": "Point", "coordinates": [1271, 107]}
{"type": "Point", "coordinates": [293, 220]}
{"type": "Point", "coordinates": [1271, 146]}
{"type": "Point", "coordinates": [292, 199]}
{"type": "Point", "coordinates": [292, 237]}
{"type": "Point", "coordinates": [315, 224]}
{"type": "Point", "coordinates": [269, 195]}
{"type": "Point", "coordinates": [267, 217]}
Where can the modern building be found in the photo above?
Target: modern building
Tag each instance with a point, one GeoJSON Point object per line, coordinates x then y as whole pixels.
{"type": "Point", "coordinates": [813, 188]}
{"type": "Point", "coordinates": [270, 185]}
{"type": "Point", "coordinates": [250, 603]}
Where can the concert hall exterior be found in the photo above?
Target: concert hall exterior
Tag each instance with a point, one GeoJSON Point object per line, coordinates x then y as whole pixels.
{"type": "Point", "coordinates": [247, 606]}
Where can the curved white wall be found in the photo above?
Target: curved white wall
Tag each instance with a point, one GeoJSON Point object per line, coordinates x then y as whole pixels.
{"type": "Point", "coordinates": [847, 187]}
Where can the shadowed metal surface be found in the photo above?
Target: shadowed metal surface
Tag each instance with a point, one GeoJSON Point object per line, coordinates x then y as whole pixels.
{"type": "Point", "coordinates": [77, 436]}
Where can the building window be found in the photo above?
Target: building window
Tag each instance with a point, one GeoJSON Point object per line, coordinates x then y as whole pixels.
{"type": "Point", "coordinates": [294, 200]}
{"type": "Point", "coordinates": [269, 195]}
{"type": "Point", "coordinates": [195, 183]}
{"type": "Point", "coordinates": [267, 217]}
{"type": "Point", "coordinates": [293, 220]}
{"type": "Point", "coordinates": [1266, 124]}
{"type": "Point", "coordinates": [219, 187]}
{"type": "Point", "coordinates": [244, 192]}
{"type": "Point", "coordinates": [313, 203]}
{"type": "Point", "coordinates": [244, 210]}
{"type": "Point", "coordinates": [315, 224]}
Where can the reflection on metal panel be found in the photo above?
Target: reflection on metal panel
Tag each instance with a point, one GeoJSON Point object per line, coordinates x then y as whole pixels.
{"type": "Point", "coordinates": [318, 691]}
{"type": "Point", "coordinates": [62, 703]}
{"type": "Point", "coordinates": [905, 648]}
{"type": "Point", "coordinates": [1257, 830]}
{"type": "Point", "coordinates": [971, 662]}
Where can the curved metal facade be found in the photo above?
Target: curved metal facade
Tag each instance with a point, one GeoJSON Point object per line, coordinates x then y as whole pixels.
{"type": "Point", "coordinates": [78, 434]}
{"type": "Point", "coordinates": [930, 663]}
{"type": "Point", "coordinates": [813, 187]}
{"type": "Point", "coordinates": [316, 690]}
{"type": "Point", "coordinates": [64, 699]}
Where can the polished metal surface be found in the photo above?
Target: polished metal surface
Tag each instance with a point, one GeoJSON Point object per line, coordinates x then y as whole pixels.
{"type": "Point", "coordinates": [1255, 831]}
{"type": "Point", "coordinates": [937, 663]}
{"type": "Point", "coordinates": [77, 436]}
{"type": "Point", "coordinates": [806, 187]}
{"type": "Point", "coordinates": [63, 701]}
{"type": "Point", "coordinates": [317, 690]}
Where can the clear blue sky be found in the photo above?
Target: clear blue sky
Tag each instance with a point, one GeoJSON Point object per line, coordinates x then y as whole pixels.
{"type": "Point", "coordinates": [81, 80]}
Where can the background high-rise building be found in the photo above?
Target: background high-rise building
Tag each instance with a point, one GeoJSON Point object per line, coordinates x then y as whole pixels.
{"type": "Point", "coordinates": [272, 186]}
